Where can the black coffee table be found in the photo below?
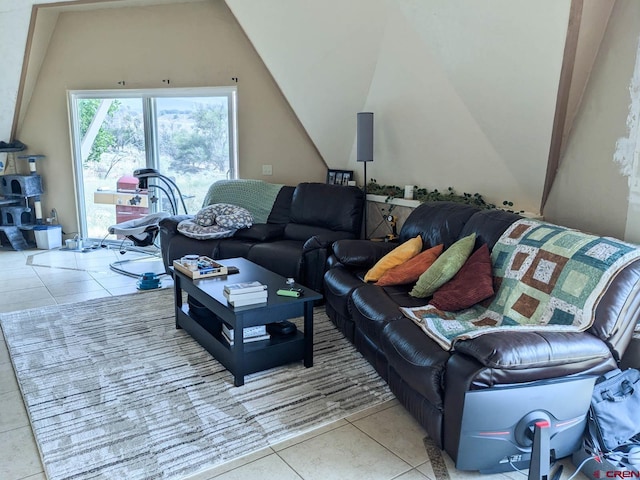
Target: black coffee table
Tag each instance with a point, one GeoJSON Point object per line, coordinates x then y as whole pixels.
{"type": "Point", "coordinates": [244, 358]}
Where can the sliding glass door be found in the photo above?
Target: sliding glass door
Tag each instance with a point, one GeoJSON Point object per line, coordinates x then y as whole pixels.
{"type": "Point", "coordinates": [188, 135]}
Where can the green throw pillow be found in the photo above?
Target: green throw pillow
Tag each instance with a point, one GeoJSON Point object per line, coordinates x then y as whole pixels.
{"type": "Point", "coordinates": [444, 268]}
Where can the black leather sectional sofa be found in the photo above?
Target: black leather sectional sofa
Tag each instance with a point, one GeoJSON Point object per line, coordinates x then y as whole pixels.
{"type": "Point", "coordinates": [430, 381]}
{"type": "Point", "coordinates": [294, 241]}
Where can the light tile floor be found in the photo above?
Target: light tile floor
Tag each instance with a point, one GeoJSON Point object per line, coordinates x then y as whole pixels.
{"type": "Point", "coordinates": [381, 443]}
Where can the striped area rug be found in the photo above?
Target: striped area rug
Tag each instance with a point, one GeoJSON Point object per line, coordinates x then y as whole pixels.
{"type": "Point", "coordinates": [113, 390]}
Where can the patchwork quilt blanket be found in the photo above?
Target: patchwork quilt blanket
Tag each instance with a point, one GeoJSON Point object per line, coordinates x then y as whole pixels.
{"type": "Point", "coordinates": [545, 276]}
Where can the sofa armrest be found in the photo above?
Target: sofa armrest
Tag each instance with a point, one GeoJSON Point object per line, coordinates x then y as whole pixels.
{"type": "Point", "coordinates": [169, 229]}
{"type": "Point", "coordinates": [315, 255]}
{"type": "Point", "coordinates": [527, 350]}
{"type": "Point", "coordinates": [169, 225]}
{"type": "Point", "coordinates": [360, 253]}
{"type": "Point", "coordinates": [323, 240]}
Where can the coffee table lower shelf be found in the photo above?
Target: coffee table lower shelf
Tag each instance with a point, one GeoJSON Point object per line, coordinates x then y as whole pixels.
{"type": "Point", "coordinates": [253, 357]}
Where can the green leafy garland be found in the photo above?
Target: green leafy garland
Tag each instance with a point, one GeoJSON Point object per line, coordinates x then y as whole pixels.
{"type": "Point", "coordinates": [425, 195]}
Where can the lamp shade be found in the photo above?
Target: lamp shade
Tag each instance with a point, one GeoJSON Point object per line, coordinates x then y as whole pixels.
{"type": "Point", "coordinates": [365, 137]}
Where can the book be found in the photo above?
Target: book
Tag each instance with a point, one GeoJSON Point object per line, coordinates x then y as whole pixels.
{"type": "Point", "coordinates": [234, 302]}
{"type": "Point", "coordinates": [229, 339]}
{"type": "Point", "coordinates": [262, 295]}
{"type": "Point", "coordinates": [244, 287]}
{"type": "Point", "coordinates": [254, 331]}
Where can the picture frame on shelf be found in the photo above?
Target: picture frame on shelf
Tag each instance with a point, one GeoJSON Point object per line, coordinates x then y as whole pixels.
{"type": "Point", "coordinates": [339, 177]}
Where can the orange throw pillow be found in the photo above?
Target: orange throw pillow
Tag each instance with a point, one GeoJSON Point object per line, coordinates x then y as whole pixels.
{"type": "Point", "coordinates": [395, 257]}
{"type": "Point", "coordinates": [410, 270]}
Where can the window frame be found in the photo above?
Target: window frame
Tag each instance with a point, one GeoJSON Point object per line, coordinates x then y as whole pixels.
{"type": "Point", "coordinates": [148, 96]}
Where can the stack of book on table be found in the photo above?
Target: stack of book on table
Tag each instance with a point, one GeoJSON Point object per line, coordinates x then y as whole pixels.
{"type": "Point", "coordinates": [245, 293]}
{"type": "Point", "coordinates": [250, 334]}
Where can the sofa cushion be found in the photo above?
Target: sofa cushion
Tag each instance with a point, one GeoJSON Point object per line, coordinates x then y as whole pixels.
{"type": "Point", "coordinates": [444, 268]}
{"type": "Point", "coordinates": [488, 225]}
{"type": "Point", "coordinates": [395, 257]}
{"type": "Point", "coordinates": [282, 257]}
{"type": "Point", "coordinates": [261, 232]}
{"type": "Point", "coordinates": [437, 222]}
{"type": "Point", "coordinates": [302, 233]}
{"type": "Point", "coordinates": [333, 207]}
{"type": "Point", "coordinates": [233, 247]}
{"type": "Point", "coordinates": [281, 210]}
{"type": "Point", "coordinates": [472, 284]}
{"type": "Point", "coordinates": [410, 271]}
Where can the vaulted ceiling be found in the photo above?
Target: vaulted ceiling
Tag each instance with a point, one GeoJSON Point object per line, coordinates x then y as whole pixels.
{"type": "Point", "coordinates": [465, 93]}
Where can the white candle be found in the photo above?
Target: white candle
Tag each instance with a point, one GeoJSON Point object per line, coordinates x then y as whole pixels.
{"type": "Point", "coordinates": [408, 192]}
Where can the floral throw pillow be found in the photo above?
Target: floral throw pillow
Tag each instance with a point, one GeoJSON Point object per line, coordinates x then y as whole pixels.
{"type": "Point", "coordinates": [206, 217]}
{"type": "Point", "coordinates": [224, 214]}
{"type": "Point", "coordinates": [219, 220]}
{"type": "Point", "coordinates": [191, 229]}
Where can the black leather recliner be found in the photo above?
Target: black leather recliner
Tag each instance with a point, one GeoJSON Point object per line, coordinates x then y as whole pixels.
{"type": "Point", "coordinates": [303, 223]}
{"type": "Point", "coordinates": [430, 381]}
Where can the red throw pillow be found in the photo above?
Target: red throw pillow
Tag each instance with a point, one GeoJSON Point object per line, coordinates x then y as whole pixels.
{"type": "Point", "coordinates": [472, 284]}
{"type": "Point", "coordinates": [410, 271]}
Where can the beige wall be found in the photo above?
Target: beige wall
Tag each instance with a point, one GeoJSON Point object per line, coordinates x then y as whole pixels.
{"type": "Point", "coordinates": [590, 191]}
{"type": "Point", "coordinates": [193, 44]}
{"type": "Point", "coordinates": [593, 24]}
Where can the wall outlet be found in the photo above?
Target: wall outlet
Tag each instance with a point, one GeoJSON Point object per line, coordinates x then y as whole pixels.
{"type": "Point", "coordinates": [267, 169]}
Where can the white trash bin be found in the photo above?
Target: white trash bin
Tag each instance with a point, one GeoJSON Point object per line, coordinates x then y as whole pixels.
{"type": "Point", "coordinates": [48, 236]}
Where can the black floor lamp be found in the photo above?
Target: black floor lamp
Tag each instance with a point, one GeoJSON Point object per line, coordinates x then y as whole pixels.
{"type": "Point", "coordinates": [365, 151]}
